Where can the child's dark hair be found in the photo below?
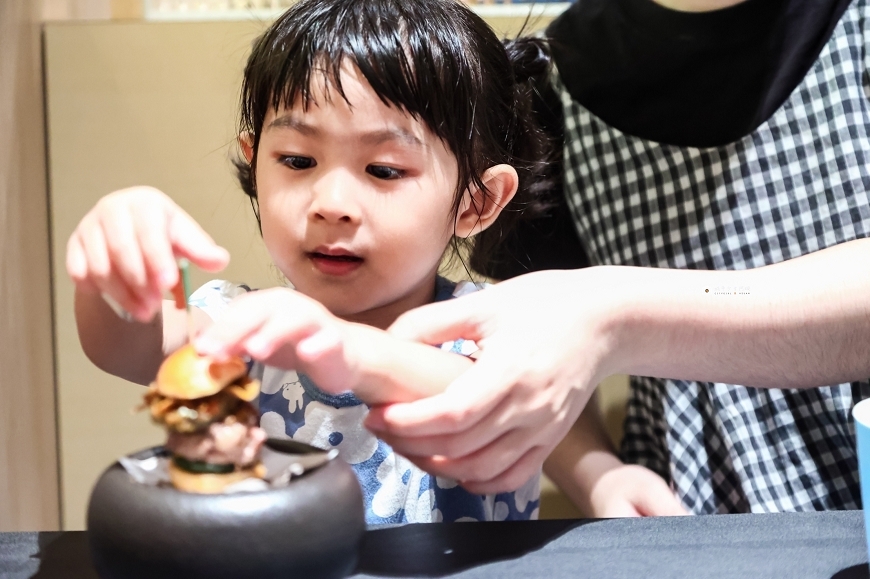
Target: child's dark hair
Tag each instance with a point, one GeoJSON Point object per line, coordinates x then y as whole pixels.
{"type": "Point", "coordinates": [434, 59]}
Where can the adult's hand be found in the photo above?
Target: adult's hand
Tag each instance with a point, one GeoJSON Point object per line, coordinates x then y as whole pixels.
{"type": "Point", "coordinates": [544, 342]}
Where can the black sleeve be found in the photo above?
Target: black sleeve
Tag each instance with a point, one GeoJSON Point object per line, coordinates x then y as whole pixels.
{"type": "Point", "coordinates": [551, 241]}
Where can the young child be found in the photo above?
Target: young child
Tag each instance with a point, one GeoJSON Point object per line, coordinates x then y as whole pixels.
{"type": "Point", "coordinates": [375, 134]}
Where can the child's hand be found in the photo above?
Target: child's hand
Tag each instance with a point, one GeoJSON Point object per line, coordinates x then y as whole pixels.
{"type": "Point", "coordinates": [633, 491]}
{"type": "Point", "coordinates": [125, 248]}
{"type": "Point", "coordinates": [285, 329]}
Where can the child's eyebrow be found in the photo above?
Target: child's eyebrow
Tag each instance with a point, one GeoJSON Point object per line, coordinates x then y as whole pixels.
{"type": "Point", "coordinates": [369, 138]}
{"type": "Point", "coordinates": [291, 122]}
{"type": "Point", "coordinates": [393, 134]}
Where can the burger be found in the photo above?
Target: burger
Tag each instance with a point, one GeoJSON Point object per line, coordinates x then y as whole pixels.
{"type": "Point", "coordinates": [206, 406]}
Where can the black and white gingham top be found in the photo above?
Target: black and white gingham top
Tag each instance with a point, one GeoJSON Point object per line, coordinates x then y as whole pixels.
{"type": "Point", "coordinates": [797, 184]}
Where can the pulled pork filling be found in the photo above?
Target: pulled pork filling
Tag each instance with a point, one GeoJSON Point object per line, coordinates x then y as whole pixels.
{"type": "Point", "coordinates": [217, 429]}
{"type": "Point", "coordinates": [227, 442]}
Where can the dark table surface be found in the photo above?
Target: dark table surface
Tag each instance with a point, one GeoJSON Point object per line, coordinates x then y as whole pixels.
{"type": "Point", "coordinates": [789, 545]}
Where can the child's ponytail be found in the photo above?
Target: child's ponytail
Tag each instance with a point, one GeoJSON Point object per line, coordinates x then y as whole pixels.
{"type": "Point", "coordinates": [533, 145]}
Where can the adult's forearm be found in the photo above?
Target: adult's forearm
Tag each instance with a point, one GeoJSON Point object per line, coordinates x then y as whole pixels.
{"type": "Point", "coordinates": [800, 323]}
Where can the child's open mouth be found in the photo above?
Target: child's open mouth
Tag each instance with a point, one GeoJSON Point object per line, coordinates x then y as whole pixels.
{"type": "Point", "coordinates": [335, 264]}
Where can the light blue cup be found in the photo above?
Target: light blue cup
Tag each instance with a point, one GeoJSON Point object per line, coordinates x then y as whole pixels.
{"type": "Point", "coordinates": [861, 414]}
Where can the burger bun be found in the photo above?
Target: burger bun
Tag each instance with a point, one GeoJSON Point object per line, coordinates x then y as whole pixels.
{"type": "Point", "coordinates": [209, 483]}
{"type": "Point", "coordinates": [186, 375]}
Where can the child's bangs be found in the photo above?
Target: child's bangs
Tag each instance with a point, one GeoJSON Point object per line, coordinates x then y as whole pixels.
{"type": "Point", "coordinates": [386, 41]}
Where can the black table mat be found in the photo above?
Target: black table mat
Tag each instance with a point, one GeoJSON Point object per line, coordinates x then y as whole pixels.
{"type": "Point", "coordinates": [794, 545]}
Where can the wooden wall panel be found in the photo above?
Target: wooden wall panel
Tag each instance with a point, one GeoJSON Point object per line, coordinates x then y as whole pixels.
{"type": "Point", "coordinates": [28, 460]}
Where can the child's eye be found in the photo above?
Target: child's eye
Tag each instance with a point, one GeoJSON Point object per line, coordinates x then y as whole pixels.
{"type": "Point", "coordinates": [382, 172]}
{"type": "Point", "coordinates": [296, 162]}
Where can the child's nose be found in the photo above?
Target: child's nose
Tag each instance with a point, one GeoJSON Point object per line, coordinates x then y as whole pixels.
{"type": "Point", "coordinates": [334, 201]}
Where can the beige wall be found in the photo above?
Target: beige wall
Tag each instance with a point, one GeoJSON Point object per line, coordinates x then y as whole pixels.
{"type": "Point", "coordinates": [28, 460]}
{"type": "Point", "coordinates": [132, 104]}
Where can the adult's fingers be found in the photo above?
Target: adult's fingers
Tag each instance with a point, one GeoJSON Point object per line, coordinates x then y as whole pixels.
{"type": "Point", "coordinates": [487, 464]}
{"type": "Point", "coordinates": [528, 466]}
{"type": "Point", "coordinates": [466, 402]}
{"type": "Point", "coordinates": [191, 241]}
{"type": "Point", "coordinates": [499, 421]}
{"type": "Point", "coordinates": [441, 322]}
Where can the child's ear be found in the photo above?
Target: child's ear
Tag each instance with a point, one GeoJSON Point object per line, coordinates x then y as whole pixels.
{"type": "Point", "coordinates": [246, 143]}
{"type": "Point", "coordinates": [479, 208]}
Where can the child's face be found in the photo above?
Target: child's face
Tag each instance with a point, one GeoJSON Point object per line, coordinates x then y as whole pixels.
{"type": "Point", "coordinates": [356, 202]}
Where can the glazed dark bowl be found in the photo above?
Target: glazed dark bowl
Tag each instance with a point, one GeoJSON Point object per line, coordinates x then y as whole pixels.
{"type": "Point", "coordinates": [310, 529]}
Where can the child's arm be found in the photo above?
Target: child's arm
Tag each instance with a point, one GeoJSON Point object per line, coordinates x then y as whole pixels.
{"type": "Point", "coordinates": [131, 350]}
{"type": "Point", "coordinates": [125, 248]}
{"type": "Point", "coordinates": [286, 329]}
{"type": "Point", "coordinates": [396, 370]}
{"type": "Point", "coordinates": [585, 466]}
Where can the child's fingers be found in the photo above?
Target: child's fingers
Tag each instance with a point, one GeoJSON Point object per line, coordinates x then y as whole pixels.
{"type": "Point", "coordinates": [653, 497]}
{"type": "Point", "coordinates": [93, 244]}
{"type": "Point", "coordinates": [125, 253]}
{"type": "Point", "coordinates": [191, 241]}
{"type": "Point", "coordinates": [103, 278]}
{"type": "Point", "coordinates": [283, 330]}
{"type": "Point", "coordinates": [319, 346]}
{"type": "Point", "coordinates": [129, 302]}
{"type": "Point", "coordinates": [156, 245]}
{"type": "Point", "coordinates": [226, 336]}
{"type": "Point", "coordinates": [76, 260]}
{"type": "Point", "coordinates": [77, 264]}
{"type": "Point", "coordinates": [271, 337]}
{"type": "Point", "coordinates": [324, 355]}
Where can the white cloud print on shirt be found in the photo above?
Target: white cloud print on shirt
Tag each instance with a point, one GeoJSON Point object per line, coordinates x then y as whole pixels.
{"type": "Point", "coordinates": [327, 427]}
{"type": "Point", "coordinates": [290, 385]}
{"type": "Point", "coordinates": [400, 488]}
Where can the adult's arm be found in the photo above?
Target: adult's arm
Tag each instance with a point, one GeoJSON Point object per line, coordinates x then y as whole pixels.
{"type": "Point", "coordinates": [547, 338]}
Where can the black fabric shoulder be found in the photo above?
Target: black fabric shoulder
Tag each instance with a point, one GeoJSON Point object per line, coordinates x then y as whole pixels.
{"type": "Point", "coordinates": [689, 79]}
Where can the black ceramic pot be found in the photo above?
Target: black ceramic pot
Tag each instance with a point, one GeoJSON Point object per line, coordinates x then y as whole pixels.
{"type": "Point", "coordinates": [309, 529]}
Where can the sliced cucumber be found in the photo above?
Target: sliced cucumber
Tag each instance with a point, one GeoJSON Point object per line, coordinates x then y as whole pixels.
{"type": "Point", "coordinates": [201, 467]}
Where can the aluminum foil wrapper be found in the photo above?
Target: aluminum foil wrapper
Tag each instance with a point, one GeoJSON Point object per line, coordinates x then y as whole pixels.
{"type": "Point", "coordinates": [151, 467]}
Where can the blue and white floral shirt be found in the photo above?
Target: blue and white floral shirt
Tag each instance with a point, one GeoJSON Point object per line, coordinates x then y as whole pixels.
{"type": "Point", "coordinates": [394, 490]}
